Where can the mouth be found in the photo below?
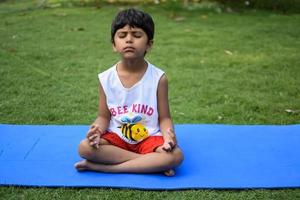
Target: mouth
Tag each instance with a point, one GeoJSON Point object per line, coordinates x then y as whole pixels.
{"type": "Point", "coordinates": [129, 49]}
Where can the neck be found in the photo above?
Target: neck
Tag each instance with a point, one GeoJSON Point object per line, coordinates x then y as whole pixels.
{"type": "Point", "coordinates": [133, 64]}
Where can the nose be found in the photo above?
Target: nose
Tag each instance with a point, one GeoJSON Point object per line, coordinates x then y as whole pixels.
{"type": "Point", "coordinates": [129, 38]}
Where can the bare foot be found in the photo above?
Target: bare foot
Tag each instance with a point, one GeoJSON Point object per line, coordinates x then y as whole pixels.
{"type": "Point", "coordinates": [169, 172]}
{"type": "Point", "coordinates": [86, 165]}
{"type": "Point", "coordinates": [81, 165]}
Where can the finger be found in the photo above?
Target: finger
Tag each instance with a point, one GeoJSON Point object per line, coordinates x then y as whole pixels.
{"type": "Point", "coordinates": [174, 140]}
{"type": "Point", "coordinates": [93, 128]}
{"type": "Point", "coordinates": [93, 137]}
{"type": "Point", "coordinates": [97, 138]}
{"type": "Point", "coordinates": [171, 145]}
{"type": "Point", "coordinates": [174, 145]}
{"type": "Point", "coordinates": [90, 133]}
{"type": "Point", "coordinates": [166, 149]}
{"type": "Point", "coordinates": [170, 131]}
{"type": "Point", "coordinates": [93, 145]}
{"type": "Point", "coordinates": [99, 131]}
{"type": "Point", "coordinates": [173, 137]}
{"type": "Point", "coordinates": [95, 142]}
{"type": "Point", "coordinates": [98, 128]}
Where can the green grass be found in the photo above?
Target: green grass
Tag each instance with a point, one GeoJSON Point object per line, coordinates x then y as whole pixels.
{"type": "Point", "coordinates": [96, 193]}
{"type": "Point", "coordinates": [231, 68]}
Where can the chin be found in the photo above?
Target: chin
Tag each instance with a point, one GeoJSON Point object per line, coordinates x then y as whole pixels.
{"type": "Point", "coordinates": [129, 57]}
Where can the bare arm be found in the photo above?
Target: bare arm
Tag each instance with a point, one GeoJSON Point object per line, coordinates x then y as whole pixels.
{"type": "Point", "coordinates": [103, 117]}
{"type": "Point", "coordinates": [102, 121]}
{"type": "Point", "coordinates": [165, 121]}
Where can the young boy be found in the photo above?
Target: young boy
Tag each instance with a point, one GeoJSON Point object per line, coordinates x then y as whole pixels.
{"type": "Point", "coordinates": [133, 132]}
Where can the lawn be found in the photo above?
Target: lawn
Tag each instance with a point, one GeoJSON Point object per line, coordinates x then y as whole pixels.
{"type": "Point", "coordinates": [223, 67]}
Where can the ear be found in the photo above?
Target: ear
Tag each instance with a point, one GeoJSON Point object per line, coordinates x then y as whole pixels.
{"type": "Point", "coordinates": [114, 47]}
{"type": "Point", "coordinates": [150, 44]}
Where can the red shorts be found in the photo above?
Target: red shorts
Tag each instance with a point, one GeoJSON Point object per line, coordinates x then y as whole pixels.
{"type": "Point", "coordinates": [146, 146]}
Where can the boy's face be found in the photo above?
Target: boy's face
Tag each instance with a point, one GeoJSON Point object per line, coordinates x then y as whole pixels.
{"type": "Point", "coordinates": [131, 42]}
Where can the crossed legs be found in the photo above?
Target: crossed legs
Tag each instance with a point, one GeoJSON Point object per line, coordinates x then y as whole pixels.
{"type": "Point", "coordinates": [109, 158]}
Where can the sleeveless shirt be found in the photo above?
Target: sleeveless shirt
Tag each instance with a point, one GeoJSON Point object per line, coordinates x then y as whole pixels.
{"type": "Point", "coordinates": [134, 113]}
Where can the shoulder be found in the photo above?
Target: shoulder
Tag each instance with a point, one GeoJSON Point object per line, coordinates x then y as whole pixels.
{"type": "Point", "coordinates": [106, 78]}
{"type": "Point", "coordinates": [163, 81]}
{"type": "Point", "coordinates": [108, 75]}
{"type": "Point", "coordinates": [155, 70]}
{"type": "Point", "coordinates": [107, 72]}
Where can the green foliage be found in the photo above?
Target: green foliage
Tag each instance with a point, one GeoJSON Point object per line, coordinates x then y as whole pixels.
{"type": "Point", "coordinates": [89, 3]}
{"type": "Point", "coordinates": [281, 5]}
{"type": "Point", "coordinates": [68, 3]}
{"type": "Point", "coordinates": [178, 5]}
{"type": "Point", "coordinates": [275, 5]}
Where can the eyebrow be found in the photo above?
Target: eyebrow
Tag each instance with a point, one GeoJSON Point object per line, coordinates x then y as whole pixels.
{"type": "Point", "coordinates": [137, 31]}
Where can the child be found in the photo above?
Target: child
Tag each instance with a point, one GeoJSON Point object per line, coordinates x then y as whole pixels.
{"type": "Point", "coordinates": [133, 132]}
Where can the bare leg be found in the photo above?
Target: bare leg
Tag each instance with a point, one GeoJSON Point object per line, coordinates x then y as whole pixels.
{"type": "Point", "coordinates": [109, 158]}
{"type": "Point", "coordinates": [105, 154]}
{"type": "Point", "coordinates": [147, 163]}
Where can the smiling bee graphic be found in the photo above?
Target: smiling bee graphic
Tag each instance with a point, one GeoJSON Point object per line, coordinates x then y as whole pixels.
{"type": "Point", "coordinates": [133, 130]}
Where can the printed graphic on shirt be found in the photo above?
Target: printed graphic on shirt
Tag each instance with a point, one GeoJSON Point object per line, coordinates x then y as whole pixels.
{"type": "Point", "coordinates": [135, 108]}
{"type": "Point", "coordinates": [133, 130]}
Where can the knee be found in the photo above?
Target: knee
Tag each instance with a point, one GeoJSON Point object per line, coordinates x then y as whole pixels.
{"type": "Point", "coordinates": [174, 158]}
{"type": "Point", "coordinates": [84, 149]}
{"type": "Point", "coordinates": [177, 157]}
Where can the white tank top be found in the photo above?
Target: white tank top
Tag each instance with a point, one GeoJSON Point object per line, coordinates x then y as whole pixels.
{"type": "Point", "coordinates": [134, 114]}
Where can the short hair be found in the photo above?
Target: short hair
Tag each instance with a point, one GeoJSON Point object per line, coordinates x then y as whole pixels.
{"type": "Point", "coordinates": [133, 18]}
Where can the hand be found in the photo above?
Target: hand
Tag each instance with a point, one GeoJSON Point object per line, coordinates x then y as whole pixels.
{"type": "Point", "coordinates": [169, 141]}
{"type": "Point", "coordinates": [94, 135]}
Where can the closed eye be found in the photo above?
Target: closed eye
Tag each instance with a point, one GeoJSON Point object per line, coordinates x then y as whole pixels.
{"type": "Point", "coordinates": [122, 34]}
{"type": "Point", "coordinates": [137, 34]}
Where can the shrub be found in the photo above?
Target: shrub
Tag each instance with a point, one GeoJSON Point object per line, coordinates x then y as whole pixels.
{"type": "Point", "coordinates": [276, 5]}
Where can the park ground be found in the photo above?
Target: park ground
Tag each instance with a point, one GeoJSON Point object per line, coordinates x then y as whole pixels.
{"type": "Point", "coordinates": [223, 67]}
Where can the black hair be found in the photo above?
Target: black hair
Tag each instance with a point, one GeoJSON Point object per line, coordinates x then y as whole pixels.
{"type": "Point", "coordinates": [133, 18]}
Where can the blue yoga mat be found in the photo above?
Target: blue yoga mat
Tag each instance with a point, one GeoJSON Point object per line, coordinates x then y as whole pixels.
{"type": "Point", "coordinates": [216, 156]}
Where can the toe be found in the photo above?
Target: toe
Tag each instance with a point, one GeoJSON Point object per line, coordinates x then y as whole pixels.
{"type": "Point", "coordinates": [81, 165]}
{"type": "Point", "coordinates": [169, 172]}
